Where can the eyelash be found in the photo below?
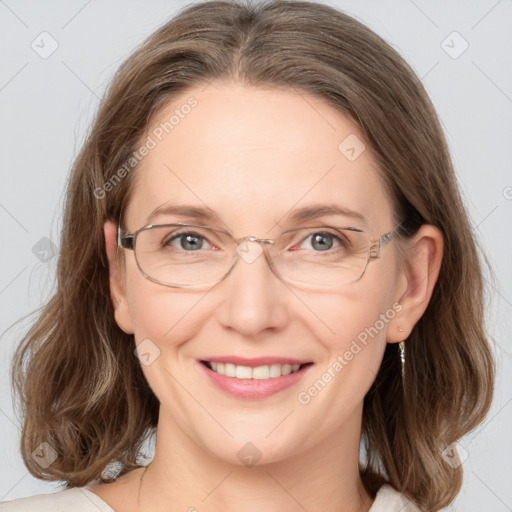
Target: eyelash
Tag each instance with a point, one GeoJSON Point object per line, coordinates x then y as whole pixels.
{"type": "Point", "coordinates": [343, 242]}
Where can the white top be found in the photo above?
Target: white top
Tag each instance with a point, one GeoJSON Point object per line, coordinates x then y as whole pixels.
{"type": "Point", "coordinates": [79, 499]}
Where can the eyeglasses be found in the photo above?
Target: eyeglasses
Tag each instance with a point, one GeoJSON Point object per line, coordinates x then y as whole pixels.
{"type": "Point", "coordinates": [192, 256]}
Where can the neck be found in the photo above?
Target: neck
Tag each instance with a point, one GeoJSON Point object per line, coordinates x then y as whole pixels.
{"type": "Point", "coordinates": [323, 478]}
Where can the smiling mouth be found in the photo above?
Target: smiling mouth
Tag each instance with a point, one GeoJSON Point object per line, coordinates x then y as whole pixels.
{"type": "Point", "coordinates": [264, 372]}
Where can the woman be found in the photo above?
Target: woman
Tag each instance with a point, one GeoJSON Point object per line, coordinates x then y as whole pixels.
{"type": "Point", "coordinates": [266, 258]}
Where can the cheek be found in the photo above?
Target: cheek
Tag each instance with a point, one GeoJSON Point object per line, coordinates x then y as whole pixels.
{"type": "Point", "coordinates": [353, 343]}
{"type": "Point", "coordinates": [361, 312]}
{"type": "Point", "coordinates": [352, 327]}
{"type": "Point", "coordinates": [165, 323]}
{"type": "Point", "coordinates": [158, 312]}
{"type": "Point", "coordinates": [162, 314]}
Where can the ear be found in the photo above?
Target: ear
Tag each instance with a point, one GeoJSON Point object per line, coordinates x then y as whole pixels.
{"type": "Point", "coordinates": [423, 255]}
{"type": "Point", "coordinates": [117, 292]}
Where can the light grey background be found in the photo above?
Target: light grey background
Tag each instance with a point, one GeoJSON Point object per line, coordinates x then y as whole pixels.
{"type": "Point", "coordinates": [47, 105]}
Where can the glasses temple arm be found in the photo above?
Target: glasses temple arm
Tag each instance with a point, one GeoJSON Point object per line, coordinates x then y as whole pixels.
{"type": "Point", "coordinates": [125, 241]}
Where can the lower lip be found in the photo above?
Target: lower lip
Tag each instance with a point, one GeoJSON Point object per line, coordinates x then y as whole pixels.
{"type": "Point", "coordinates": [253, 388]}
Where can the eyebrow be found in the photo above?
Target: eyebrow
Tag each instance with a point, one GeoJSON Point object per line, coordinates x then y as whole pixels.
{"type": "Point", "coordinates": [205, 214]}
{"type": "Point", "coordinates": [187, 211]}
{"type": "Point", "coordinates": [321, 210]}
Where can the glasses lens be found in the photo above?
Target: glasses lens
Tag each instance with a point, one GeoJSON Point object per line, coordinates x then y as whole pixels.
{"type": "Point", "coordinates": [194, 256]}
{"type": "Point", "coordinates": [183, 255]}
{"type": "Point", "coordinates": [322, 257]}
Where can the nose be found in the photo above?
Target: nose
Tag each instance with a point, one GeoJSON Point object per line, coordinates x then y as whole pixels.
{"type": "Point", "coordinates": [254, 298]}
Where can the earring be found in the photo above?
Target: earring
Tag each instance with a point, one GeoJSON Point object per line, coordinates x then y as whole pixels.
{"type": "Point", "coordinates": [401, 346]}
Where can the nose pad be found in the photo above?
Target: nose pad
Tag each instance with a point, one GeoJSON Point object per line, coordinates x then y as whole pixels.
{"type": "Point", "coordinates": [249, 250]}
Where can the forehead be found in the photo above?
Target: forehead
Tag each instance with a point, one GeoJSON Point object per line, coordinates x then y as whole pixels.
{"type": "Point", "coordinates": [241, 151]}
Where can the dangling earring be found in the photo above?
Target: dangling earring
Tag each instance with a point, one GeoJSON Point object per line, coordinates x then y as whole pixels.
{"type": "Point", "coordinates": [401, 346]}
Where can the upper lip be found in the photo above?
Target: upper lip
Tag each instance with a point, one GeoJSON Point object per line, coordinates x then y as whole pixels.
{"type": "Point", "coordinates": [256, 361]}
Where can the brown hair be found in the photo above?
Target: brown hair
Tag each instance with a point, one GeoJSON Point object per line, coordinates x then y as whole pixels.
{"type": "Point", "coordinates": [81, 388]}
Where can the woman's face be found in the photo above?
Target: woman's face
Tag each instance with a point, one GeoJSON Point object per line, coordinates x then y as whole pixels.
{"type": "Point", "coordinates": [255, 156]}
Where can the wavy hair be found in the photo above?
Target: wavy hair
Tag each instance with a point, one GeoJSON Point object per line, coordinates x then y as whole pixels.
{"type": "Point", "coordinates": [79, 385]}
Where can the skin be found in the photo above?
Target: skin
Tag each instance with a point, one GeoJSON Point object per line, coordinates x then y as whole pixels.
{"type": "Point", "coordinates": [244, 150]}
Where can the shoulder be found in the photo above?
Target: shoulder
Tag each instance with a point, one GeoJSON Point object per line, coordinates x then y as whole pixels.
{"type": "Point", "coordinates": [390, 500]}
{"type": "Point", "coordinates": [77, 499]}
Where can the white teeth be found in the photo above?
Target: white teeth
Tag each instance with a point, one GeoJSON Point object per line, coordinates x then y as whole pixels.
{"type": "Point", "coordinates": [259, 372]}
{"type": "Point", "coordinates": [243, 372]}
{"type": "Point", "coordinates": [230, 370]}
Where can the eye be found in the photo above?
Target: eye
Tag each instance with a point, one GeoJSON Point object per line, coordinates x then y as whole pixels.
{"type": "Point", "coordinates": [322, 241]}
{"type": "Point", "coordinates": [188, 241]}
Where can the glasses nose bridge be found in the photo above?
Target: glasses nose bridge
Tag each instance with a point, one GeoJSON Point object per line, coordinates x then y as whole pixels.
{"type": "Point", "coordinates": [261, 241]}
{"type": "Point", "coordinates": [264, 243]}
